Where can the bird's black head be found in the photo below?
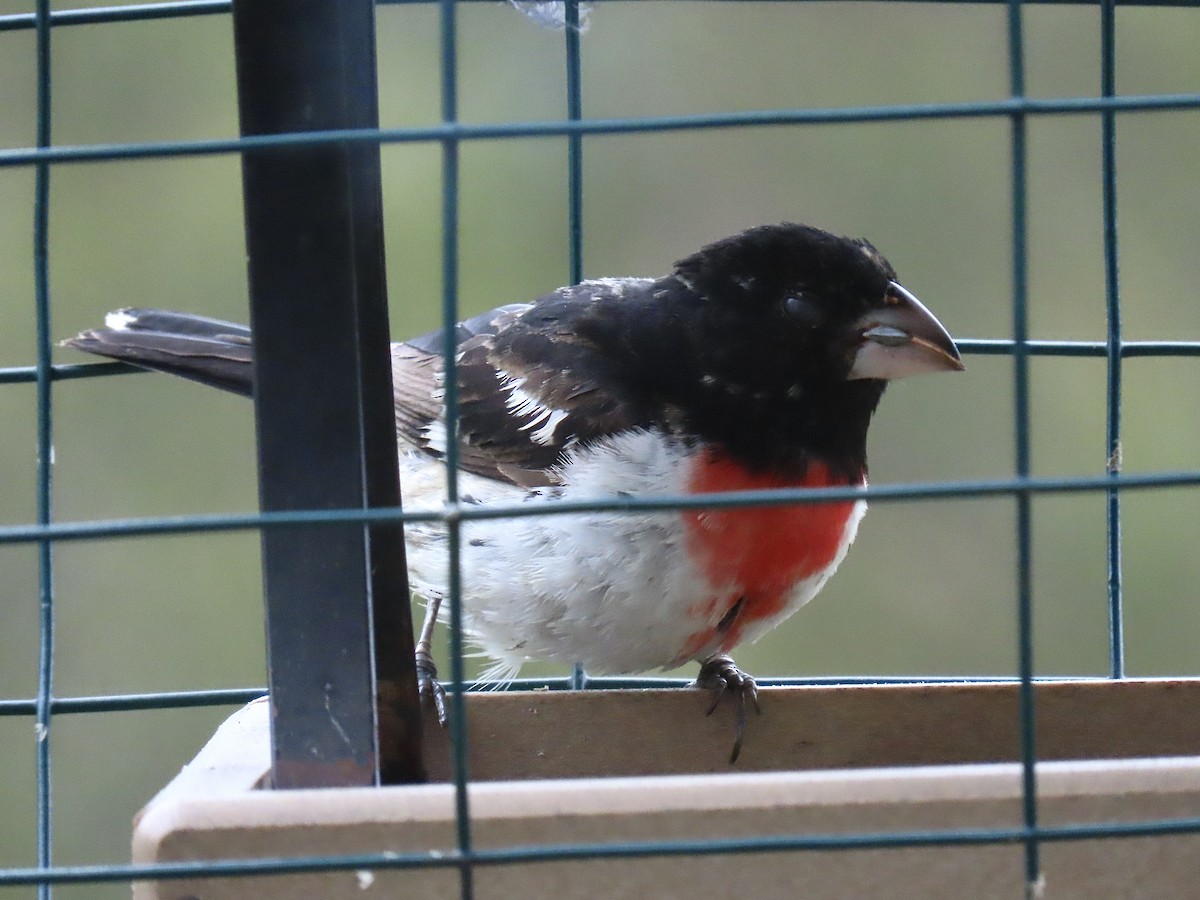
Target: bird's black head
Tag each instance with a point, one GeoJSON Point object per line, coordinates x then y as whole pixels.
{"type": "Point", "coordinates": [778, 343]}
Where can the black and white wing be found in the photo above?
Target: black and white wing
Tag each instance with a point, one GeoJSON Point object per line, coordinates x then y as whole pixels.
{"type": "Point", "coordinates": [532, 383]}
{"type": "Point", "coordinates": [534, 379]}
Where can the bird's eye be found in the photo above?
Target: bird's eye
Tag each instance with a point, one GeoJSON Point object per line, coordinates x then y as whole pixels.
{"type": "Point", "coordinates": [801, 310]}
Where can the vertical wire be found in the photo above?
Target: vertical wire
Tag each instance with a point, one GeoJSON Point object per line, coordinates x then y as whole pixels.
{"type": "Point", "coordinates": [574, 142]}
{"type": "Point", "coordinates": [1020, 325]}
{"type": "Point", "coordinates": [1108, 137]}
{"type": "Point", "coordinates": [45, 449]}
{"type": "Point", "coordinates": [450, 197]}
{"type": "Point", "coordinates": [574, 188]}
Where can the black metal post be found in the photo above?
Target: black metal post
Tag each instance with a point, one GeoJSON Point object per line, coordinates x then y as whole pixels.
{"type": "Point", "coordinates": [339, 631]}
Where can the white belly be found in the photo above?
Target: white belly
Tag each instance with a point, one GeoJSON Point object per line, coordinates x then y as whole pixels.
{"type": "Point", "coordinates": [610, 590]}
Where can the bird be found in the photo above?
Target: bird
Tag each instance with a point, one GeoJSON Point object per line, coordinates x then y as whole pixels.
{"type": "Point", "coordinates": [756, 363]}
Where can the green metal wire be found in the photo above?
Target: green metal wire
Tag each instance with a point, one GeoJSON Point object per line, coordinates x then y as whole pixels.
{"type": "Point", "coordinates": [43, 716]}
{"type": "Point", "coordinates": [542, 853]}
{"type": "Point", "coordinates": [241, 696]}
{"type": "Point", "coordinates": [1021, 418]}
{"type": "Point", "coordinates": [1108, 181]}
{"type": "Point", "coordinates": [469, 131]}
{"type": "Point", "coordinates": [943, 490]}
{"type": "Point", "coordinates": [574, 185]}
{"type": "Point", "coordinates": [187, 8]}
{"type": "Point", "coordinates": [450, 198]}
{"type": "Point", "coordinates": [968, 347]}
{"type": "Point", "coordinates": [131, 702]}
{"type": "Point", "coordinates": [24, 374]}
{"type": "Point", "coordinates": [574, 80]}
{"type": "Point", "coordinates": [1125, 349]}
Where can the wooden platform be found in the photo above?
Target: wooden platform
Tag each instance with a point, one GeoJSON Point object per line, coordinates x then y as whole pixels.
{"type": "Point", "coordinates": [554, 768]}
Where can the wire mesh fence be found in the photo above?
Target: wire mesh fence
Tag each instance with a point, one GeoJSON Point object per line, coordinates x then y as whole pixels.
{"type": "Point", "coordinates": [1016, 110]}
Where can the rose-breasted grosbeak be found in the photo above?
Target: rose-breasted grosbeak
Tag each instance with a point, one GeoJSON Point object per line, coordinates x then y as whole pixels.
{"type": "Point", "coordinates": [755, 364]}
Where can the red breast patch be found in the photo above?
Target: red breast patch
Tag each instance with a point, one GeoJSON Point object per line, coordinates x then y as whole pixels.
{"type": "Point", "coordinates": [761, 552]}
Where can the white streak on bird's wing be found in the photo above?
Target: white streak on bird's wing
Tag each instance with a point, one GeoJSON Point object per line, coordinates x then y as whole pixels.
{"type": "Point", "coordinates": [545, 434]}
{"type": "Point", "coordinates": [614, 287]}
{"type": "Point", "coordinates": [518, 402]}
{"type": "Point", "coordinates": [543, 420]}
{"type": "Point", "coordinates": [491, 443]}
{"type": "Point", "coordinates": [433, 436]}
{"type": "Point", "coordinates": [119, 320]}
{"type": "Point", "coordinates": [594, 290]}
{"type": "Point", "coordinates": [414, 390]}
{"type": "Point", "coordinates": [531, 383]}
{"type": "Point", "coordinates": [560, 376]}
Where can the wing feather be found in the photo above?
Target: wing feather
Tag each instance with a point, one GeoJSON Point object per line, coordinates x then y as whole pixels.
{"type": "Point", "coordinates": [531, 386]}
{"type": "Point", "coordinates": [201, 349]}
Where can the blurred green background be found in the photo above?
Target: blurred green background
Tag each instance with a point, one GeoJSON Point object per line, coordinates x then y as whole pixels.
{"type": "Point", "coordinates": [929, 588]}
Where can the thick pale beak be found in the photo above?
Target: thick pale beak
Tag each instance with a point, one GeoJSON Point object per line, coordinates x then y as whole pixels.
{"type": "Point", "coordinates": [902, 338]}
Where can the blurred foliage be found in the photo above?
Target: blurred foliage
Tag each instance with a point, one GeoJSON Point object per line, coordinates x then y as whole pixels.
{"type": "Point", "coordinates": [929, 588]}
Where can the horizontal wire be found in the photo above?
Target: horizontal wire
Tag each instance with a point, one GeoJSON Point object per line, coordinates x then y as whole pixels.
{"type": "Point", "coordinates": [466, 131]}
{"type": "Point", "coordinates": [166, 700]}
{"type": "Point", "coordinates": [946, 490]}
{"type": "Point", "coordinates": [100, 15]}
{"type": "Point", "coordinates": [450, 858]}
{"type": "Point", "coordinates": [136, 702]}
{"type": "Point", "coordinates": [28, 374]}
{"type": "Point", "coordinates": [103, 15]}
{"type": "Point", "coordinates": [970, 346]}
{"type": "Point", "coordinates": [1098, 349]}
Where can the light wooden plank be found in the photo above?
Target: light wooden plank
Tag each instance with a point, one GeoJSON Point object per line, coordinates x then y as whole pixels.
{"type": "Point", "coordinates": [604, 767]}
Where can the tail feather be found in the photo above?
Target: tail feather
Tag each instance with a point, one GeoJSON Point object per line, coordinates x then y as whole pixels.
{"type": "Point", "coordinates": [198, 348]}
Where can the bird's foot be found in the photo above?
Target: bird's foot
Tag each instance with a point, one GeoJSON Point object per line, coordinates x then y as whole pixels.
{"type": "Point", "coordinates": [428, 685]}
{"type": "Point", "coordinates": [719, 675]}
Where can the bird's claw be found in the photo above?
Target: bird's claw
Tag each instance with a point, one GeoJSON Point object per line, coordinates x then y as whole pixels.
{"type": "Point", "coordinates": [720, 675]}
{"type": "Point", "coordinates": [428, 685]}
